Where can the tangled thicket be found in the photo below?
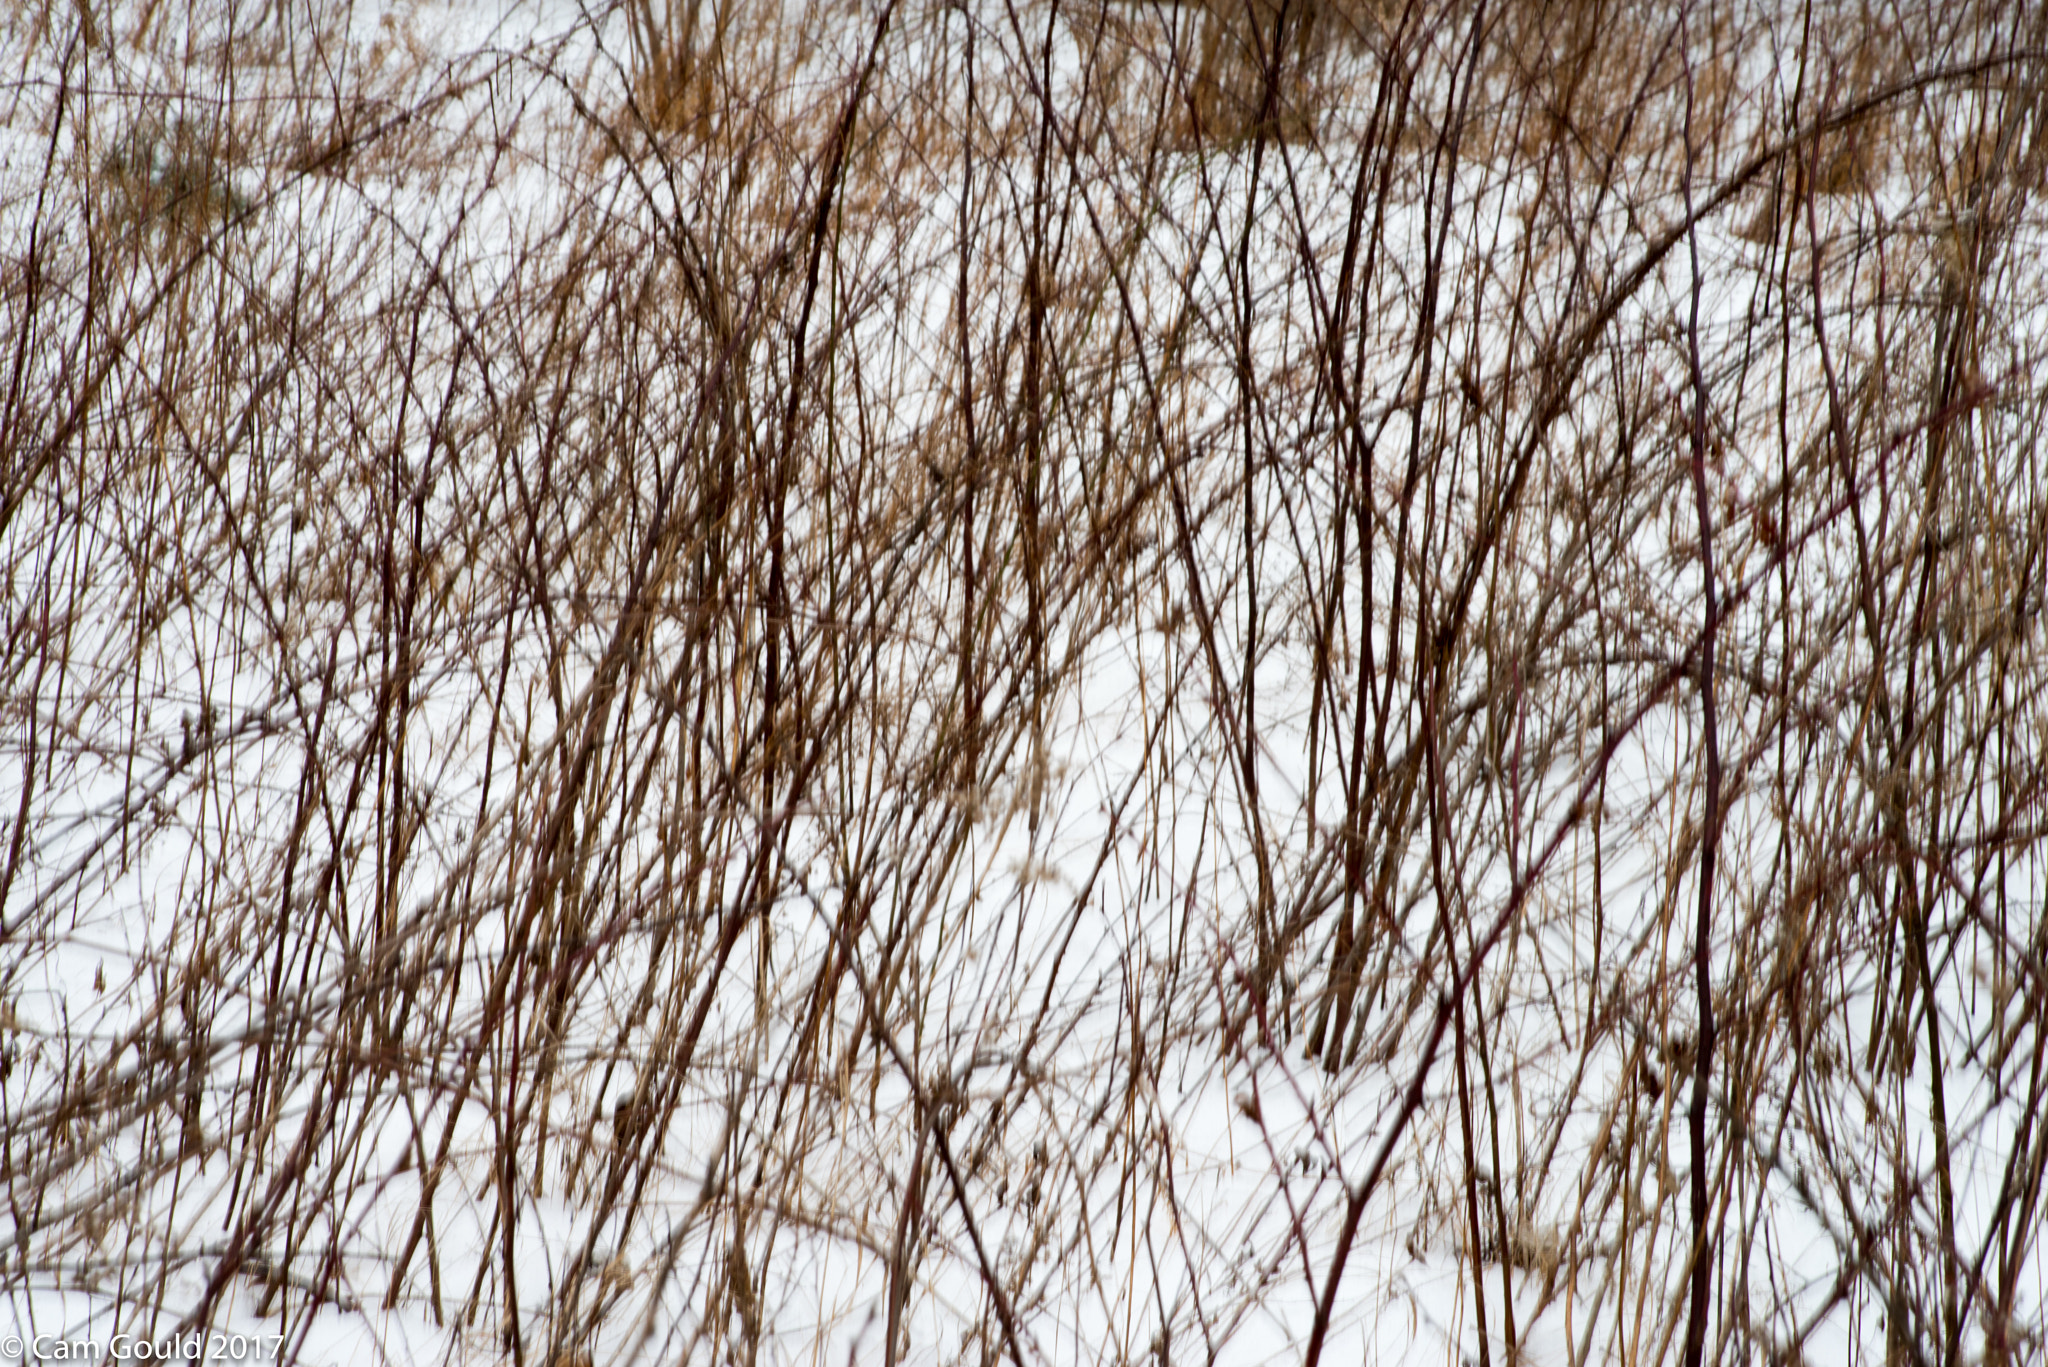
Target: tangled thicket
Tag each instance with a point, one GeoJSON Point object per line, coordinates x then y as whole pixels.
{"type": "Point", "coordinates": [1060, 682]}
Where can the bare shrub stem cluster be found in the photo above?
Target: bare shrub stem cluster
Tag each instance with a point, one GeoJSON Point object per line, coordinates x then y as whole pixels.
{"type": "Point", "coordinates": [1054, 682]}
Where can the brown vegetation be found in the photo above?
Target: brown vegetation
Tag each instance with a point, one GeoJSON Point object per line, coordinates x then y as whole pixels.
{"type": "Point", "coordinates": [999, 681]}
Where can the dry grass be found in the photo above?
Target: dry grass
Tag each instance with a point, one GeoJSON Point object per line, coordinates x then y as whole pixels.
{"type": "Point", "coordinates": [944, 683]}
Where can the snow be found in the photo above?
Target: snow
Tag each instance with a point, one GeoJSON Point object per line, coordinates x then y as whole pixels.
{"type": "Point", "coordinates": [422, 926]}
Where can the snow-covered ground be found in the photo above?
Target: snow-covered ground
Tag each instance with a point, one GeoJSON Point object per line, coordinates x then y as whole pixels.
{"type": "Point", "coordinates": [894, 694]}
